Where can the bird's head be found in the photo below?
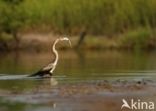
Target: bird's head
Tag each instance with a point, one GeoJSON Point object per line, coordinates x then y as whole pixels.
{"type": "Point", "coordinates": [65, 39]}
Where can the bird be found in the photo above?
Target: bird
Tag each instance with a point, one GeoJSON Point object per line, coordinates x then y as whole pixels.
{"type": "Point", "coordinates": [48, 70]}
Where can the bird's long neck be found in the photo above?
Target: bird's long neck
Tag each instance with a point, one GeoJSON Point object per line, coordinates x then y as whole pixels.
{"type": "Point", "coordinates": [55, 52]}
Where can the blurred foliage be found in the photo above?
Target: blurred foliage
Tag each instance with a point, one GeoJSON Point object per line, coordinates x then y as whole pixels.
{"type": "Point", "coordinates": [100, 17]}
{"type": "Point", "coordinates": [137, 39]}
{"type": "Point", "coordinates": [12, 15]}
{"type": "Point", "coordinates": [12, 19]}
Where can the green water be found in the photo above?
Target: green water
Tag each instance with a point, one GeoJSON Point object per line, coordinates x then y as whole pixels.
{"type": "Point", "coordinates": [80, 64]}
{"type": "Point", "coordinates": [76, 66]}
{"type": "Point", "coordinates": [73, 67]}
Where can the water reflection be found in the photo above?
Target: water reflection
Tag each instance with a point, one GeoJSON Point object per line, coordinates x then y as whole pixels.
{"type": "Point", "coordinates": [53, 82]}
{"type": "Point", "coordinates": [6, 105]}
{"type": "Point", "coordinates": [26, 94]}
{"type": "Point", "coordinates": [79, 63]}
{"type": "Point", "coordinates": [75, 67]}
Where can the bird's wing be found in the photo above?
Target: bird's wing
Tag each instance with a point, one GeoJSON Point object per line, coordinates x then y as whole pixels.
{"type": "Point", "coordinates": [44, 70]}
{"type": "Point", "coordinates": [48, 67]}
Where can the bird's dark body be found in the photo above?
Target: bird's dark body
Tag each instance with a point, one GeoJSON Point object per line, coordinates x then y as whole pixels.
{"type": "Point", "coordinates": [42, 73]}
{"type": "Point", "coordinates": [45, 71]}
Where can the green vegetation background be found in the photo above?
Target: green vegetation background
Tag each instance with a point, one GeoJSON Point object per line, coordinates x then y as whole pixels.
{"type": "Point", "coordinates": [133, 21]}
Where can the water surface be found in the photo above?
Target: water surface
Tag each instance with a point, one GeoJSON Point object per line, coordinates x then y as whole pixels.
{"type": "Point", "coordinates": [75, 70]}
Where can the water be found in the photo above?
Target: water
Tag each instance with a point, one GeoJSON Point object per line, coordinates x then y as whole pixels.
{"type": "Point", "coordinates": [79, 63]}
{"type": "Point", "coordinates": [75, 70]}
